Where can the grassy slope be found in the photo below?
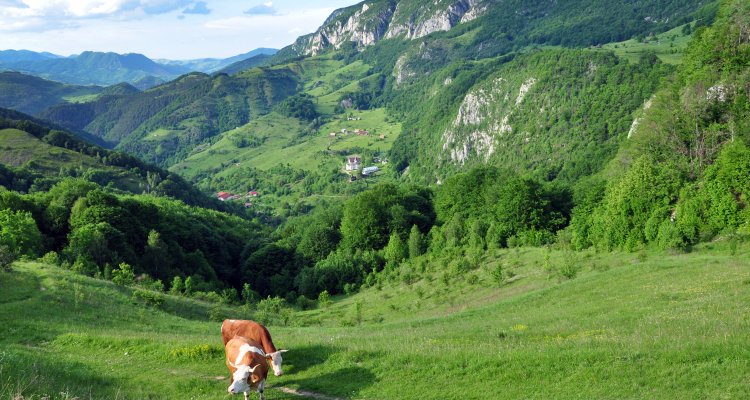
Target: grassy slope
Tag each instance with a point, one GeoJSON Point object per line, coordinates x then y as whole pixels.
{"type": "Point", "coordinates": [20, 147]}
{"type": "Point", "coordinates": [327, 80]}
{"type": "Point", "coordinates": [668, 46]}
{"type": "Point", "coordinates": [629, 326]}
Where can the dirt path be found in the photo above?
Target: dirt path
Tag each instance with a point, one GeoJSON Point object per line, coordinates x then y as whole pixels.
{"type": "Point", "coordinates": [306, 393]}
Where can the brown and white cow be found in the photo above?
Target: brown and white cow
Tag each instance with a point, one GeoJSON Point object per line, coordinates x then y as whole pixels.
{"type": "Point", "coordinates": [248, 366]}
{"type": "Point", "coordinates": [252, 330]}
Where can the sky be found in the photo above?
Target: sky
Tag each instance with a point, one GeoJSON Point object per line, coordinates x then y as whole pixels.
{"type": "Point", "coordinates": [160, 29]}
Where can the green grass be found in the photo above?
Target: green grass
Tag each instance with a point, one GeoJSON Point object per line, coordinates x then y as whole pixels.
{"type": "Point", "coordinates": [668, 46]}
{"type": "Point", "coordinates": [628, 326]}
{"type": "Point", "coordinates": [281, 145]}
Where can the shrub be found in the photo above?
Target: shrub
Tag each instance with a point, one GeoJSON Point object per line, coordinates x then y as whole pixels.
{"type": "Point", "coordinates": [147, 298]}
{"type": "Point", "coordinates": [123, 276]}
{"type": "Point", "coordinates": [6, 258]}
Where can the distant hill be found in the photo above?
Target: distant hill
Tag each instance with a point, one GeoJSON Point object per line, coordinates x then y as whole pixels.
{"type": "Point", "coordinates": [210, 65]}
{"type": "Point", "coordinates": [9, 56]}
{"type": "Point", "coordinates": [163, 124]}
{"type": "Point", "coordinates": [31, 94]}
{"type": "Point", "coordinates": [251, 62]}
{"type": "Point", "coordinates": [36, 155]}
{"type": "Point", "coordinates": [96, 68]}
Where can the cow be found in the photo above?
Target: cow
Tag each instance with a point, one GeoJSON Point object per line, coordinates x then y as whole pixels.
{"type": "Point", "coordinates": [257, 332]}
{"type": "Point", "coordinates": [247, 365]}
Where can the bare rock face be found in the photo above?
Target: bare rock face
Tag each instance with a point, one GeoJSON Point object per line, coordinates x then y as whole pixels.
{"type": "Point", "coordinates": [365, 27]}
{"type": "Point", "coordinates": [372, 23]}
{"type": "Point", "coordinates": [483, 119]}
{"type": "Point", "coordinates": [436, 20]}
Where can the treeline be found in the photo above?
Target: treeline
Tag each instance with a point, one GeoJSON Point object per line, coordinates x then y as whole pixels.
{"type": "Point", "coordinates": [92, 231]}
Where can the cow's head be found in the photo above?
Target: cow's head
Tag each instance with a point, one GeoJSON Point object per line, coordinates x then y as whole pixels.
{"type": "Point", "coordinates": [240, 383]}
{"type": "Point", "coordinates": [275, 359]}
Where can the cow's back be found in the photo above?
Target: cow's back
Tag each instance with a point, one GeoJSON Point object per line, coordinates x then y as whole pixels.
{"type": "Point", "coordinates": [251, 330]}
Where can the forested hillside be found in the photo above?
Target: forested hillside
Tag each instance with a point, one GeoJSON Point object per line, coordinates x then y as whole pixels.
{"type": "Point", "coordinates": [544, 145]}
{"type": "Point", "coordinates": [162, 125]}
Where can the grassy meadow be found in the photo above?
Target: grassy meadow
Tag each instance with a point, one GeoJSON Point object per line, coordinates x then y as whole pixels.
{"type": "Point", "coordinates": [528, 323]}
{"type": "Point", "coordinates": [669, 46]}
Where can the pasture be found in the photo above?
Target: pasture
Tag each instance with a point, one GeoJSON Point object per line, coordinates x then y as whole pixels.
{"type": "Point", "coordinates": [553, 325]}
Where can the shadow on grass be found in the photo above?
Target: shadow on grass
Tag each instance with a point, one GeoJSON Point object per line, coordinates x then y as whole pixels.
{"type": "Point", "coordinates": [300, 359]}
{"type": "Point", "coordinates": [344, 382]}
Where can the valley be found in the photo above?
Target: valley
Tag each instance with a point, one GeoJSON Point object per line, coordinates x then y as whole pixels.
{"type": "Point", "coordinates": [476, 199]}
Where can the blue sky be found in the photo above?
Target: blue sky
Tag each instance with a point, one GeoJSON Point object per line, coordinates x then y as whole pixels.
{"type": "Point", "coordinates": [173, 29]}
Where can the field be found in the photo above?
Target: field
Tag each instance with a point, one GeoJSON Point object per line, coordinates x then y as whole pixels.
{"type": "Point", "coordinates": [668, 46]}
{"type": "Point", "coordinates": [562, 325]}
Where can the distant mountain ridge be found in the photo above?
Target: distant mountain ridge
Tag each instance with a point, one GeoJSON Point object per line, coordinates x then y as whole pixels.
{"type": "Point", "coordinates": [210, 65]}
{"type": "Point", "coordinates": [109, 68]}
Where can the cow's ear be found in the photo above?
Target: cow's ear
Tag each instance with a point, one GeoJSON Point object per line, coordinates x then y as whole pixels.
{"type": "Point", "coordinates": [268, 356]}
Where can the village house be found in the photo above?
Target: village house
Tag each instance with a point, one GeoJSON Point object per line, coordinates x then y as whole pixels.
{"type": "Point", "coordinates": [332, 134]}
{"type": "Point", "coordinates": [353, 163]}
{"type": "Point", "coordinates": [252, 193]}
{"type": "Point", "coordinates": [223, 196]}
{"type": "Point", "coordinates": [362, 132]}
{"type": "Point", "coordinates": [370, 170]}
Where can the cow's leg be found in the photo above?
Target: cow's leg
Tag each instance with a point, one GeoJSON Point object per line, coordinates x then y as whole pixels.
{"type": "Point", "coordinates": [261, 389]}
{"type": "Point", "coordinates": [247, 397]}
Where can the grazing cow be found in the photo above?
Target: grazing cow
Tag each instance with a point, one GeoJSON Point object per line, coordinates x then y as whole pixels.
{"type": "Point", "coordinates": [257, 332]}
{"type": "Point", "coordinates": [248, 366]}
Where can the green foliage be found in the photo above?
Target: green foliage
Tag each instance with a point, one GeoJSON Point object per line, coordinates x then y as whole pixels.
{"type": "Point", "coordinates": [395, 251]}
{"type": "Point", "coordinates": [7, 257]}
{"type": "Point", "coordinates": [124, 275]}
{"type": "Point", "coordinates": [299, 106]}
{"type": "Point", "coordinates": [371, 216]}
{"type": "Point", "coordinates": [19, 232]}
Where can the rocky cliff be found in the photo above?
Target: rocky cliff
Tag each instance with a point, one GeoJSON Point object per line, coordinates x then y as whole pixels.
{"type": "Point", "coordinates": [367, 23]}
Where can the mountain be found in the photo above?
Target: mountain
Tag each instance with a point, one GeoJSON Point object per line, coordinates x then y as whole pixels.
{"type": "Point", "coordinates": [31, 94]}
{"type": "Point", "coordinates": [96, 68]}
{"type": "Point", "coordinates": [210, 65]}
{"type": "Point", "coordinates": [10, 56]}
{"type": "Point", "coordinates": [496, 26]}
{"type": "Point", "coordinates": [248, 63]}
{"type": "Point", "coordinates": [165, 123]}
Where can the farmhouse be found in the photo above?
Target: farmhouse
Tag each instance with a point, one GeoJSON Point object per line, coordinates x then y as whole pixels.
{"type": "Point", "coordinates": [362, 132]}
{"type": "Point", "coordinates": [332, 134]}
{"type": "Point", "coordinates": [370, 170]}
{"type": "Point", "coordinates": [252, 193]}
{"type": "Point", "coordinates": [223, 196]}
{"type": "Point", "coordinates": [353, 163]}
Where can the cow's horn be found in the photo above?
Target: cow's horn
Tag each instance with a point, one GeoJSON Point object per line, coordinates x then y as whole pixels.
{"type": "Point", "coordinates": [253, 368]}
{"type": "Point", "coordinates": [282, 351]}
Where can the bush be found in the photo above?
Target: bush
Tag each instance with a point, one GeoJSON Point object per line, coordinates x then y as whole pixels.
{"type": "Point", "coordinates": [51, 258]}
{"type": "Point", "coordinates": [147, 298]}
{"type": "Point", "coordinates": [6, 258]}
{"type": "Point", "coordinates": [123, 276]}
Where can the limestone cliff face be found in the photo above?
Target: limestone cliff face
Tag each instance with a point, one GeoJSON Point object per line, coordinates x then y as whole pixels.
{"type": "Point", "coordinates": [371, 21]}
{"type": "Point", "coordinates": [434, 17]}
{"type": "Point", "coordinates": [483, 119]}
{"type": "Point", "coordinates": [364, 27]}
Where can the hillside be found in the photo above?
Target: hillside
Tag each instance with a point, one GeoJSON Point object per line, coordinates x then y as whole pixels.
{"type": "Point", "coordinates": [36, 155]}
{"type": "Point", "coordinates": [31, 95]}
{"type": "Point", "coordinates": [162, 125]}
{"type": "Point", "coordinates": [637, 325]}
{"type": "Point", "coordinates": [97, 68]}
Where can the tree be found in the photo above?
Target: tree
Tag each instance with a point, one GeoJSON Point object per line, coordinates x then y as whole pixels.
{"type": "Point", "coordinates": [19, 232]}
{"type": "Point", "coordinates": [416, 243]}
{"type": "Point", "coordinates": [124, 275]}
{"type": "Point", "coordinates": [395, 251]}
